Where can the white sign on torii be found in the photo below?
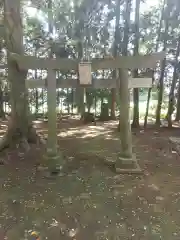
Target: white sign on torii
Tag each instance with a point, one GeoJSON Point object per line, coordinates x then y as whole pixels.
{"type": "Point", "coordinates": [85, 73]}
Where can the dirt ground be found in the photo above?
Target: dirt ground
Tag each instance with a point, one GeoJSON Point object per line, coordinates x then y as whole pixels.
{"type": "Point", "coordinates": [91, 201]}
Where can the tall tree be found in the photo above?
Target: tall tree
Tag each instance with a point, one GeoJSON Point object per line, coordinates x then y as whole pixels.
{"type": "Point", "coordinates": [163, 66]}
{"type": "Point", "coordinates": [135, 122]}
{"type": "Point", "coordinates": [156, 49]}
{"type": "Point", "coordinates": [115, 53]}
{"type": "Point", "coordinates": [178, 102]}
{"type": "Point", "coordinates": [126, 32]}
{"type": "Point", "coordinates": [173, 85]}
{"type": "Point", "coordinates": [17, 132]}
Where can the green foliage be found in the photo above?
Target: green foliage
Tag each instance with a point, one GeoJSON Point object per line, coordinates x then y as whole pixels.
{"type": "Point", "coordinates": [91, 23]}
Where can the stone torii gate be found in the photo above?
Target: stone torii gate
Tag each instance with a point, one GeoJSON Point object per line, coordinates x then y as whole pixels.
{"type": "Point", "coordinates": [126, 163]}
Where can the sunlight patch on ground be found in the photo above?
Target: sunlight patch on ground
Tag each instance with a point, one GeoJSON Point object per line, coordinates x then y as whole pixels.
{"type": "Point", "coordinates": [90, 131]}
{"type": "Point", "coordinates": [2, 131]}
{"type": "Point", "coordinates": [2, 125]}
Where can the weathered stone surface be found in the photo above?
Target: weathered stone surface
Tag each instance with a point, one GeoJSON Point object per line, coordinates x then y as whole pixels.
{"type": "Point", "coordinates": [128, 165]}
{"type": "Point", "coordinates": [175, 144]}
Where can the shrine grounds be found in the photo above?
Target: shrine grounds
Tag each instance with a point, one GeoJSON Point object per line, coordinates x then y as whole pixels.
{"type": "Point", "coordinates": [91, 201]}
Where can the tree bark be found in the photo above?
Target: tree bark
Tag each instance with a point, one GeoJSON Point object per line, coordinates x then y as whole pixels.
{"type": "Point", "coordinates": [2, 113]}
{"type": "Point", "coordinates": [126, 36]}
{"type": "Point", "coordinates": [20, 128]}
{"type": "Point", "coordinates": [135, 122]}
{"type": "Point", "coordinates": [160, 94]}
{"type": "Point", "coordinates": [161, 80]}
{"type": "Point", "coordinates": [115, 53]}
{"type": "Point", "coordinates": [178, 104]}
{"type": "Point", "coordinates": [68, 105]}
{"type": "Point", "coordinates": [113, 104]}
{"type": "Point", "coordinates": [156, 49]}
{"type": "Point", "coordinates": [72, 98]}
{"type": "Point", "coordinates": [37, 96]}
{"type": "Point", "coordinates": [80, 91]}
{"type": "Point", "coordinates": [95, 104]}
{"type": "Point", "coordinates": [173, 85]}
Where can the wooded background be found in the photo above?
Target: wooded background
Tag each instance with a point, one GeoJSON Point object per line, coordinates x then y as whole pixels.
{"type": "Point", "coordinates": [102, 29]}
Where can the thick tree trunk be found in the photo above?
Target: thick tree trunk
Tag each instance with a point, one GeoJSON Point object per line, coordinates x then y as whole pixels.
{"type": "Point", "coordinates": [19, 127]}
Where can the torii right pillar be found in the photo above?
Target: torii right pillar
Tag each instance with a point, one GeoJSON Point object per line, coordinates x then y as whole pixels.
{"type": "Point", "coordinates": [126, 162]}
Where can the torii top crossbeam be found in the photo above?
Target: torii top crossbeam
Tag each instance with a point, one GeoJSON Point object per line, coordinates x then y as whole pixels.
{"type": "Point", "coordinates": [123, 62]}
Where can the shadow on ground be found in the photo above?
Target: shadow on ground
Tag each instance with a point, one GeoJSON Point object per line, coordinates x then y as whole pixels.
{"type": "Point", "coordinates": [91, 201]}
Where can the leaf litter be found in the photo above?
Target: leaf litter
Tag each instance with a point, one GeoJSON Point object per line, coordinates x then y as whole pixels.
{"type": "Point", "coordinates": [91, 201]}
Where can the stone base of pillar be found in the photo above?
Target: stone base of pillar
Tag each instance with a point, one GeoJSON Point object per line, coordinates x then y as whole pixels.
{"type": "Point", "coordinates": [52, 165]}
{"type": "Point", "coordinates": [127, 166]}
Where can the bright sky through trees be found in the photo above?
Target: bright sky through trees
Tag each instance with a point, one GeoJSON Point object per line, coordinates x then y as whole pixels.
{"type": "Point", "coordinates": [144, 6]}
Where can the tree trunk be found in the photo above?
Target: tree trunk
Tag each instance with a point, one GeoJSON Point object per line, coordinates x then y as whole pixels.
{"type": "Point", "coordinates": [157, 46]}
{"type": "Point", "coordinates": [2, 113]}
{"type": "Point", "coordinates": [161, 80]}
{"type": "Point", "coordinates": [113, 103]}
{"type": "Point", "coordinates": [126, 37]}
{"type": "Point", "coordinates": [160, 94]}
{"type": "Point", "coordinates": [68, 105]}
{"type": "Point", "coordinates": [19, 127]}
{"type": "Point", "coordinates": [72, 98]}
{"type": "Point", "coordinates": [58, 99]}
{"type": "Point", "coordinates": [115, 53]}
{"type": "Point", "coordinates": [173, 85]}
{"type": "Point", "coordinates": [178, 104]}
{"type": "Point", "coordinates": [37, 102]}
{"type": "Point", "coordinates": [37, 96]}
{"type": "Point", "coordinates": [89, 109]}
{"type": "Point", "coordinates": [80, 91]}
{"type": "Point", "coordinates": [95, 104]}
{"type": "Point", "coordinates": [135, 122]}
{"type": "Point", "coordinates": [102, 102]}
